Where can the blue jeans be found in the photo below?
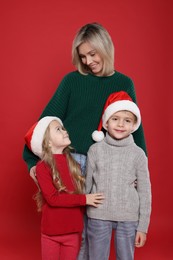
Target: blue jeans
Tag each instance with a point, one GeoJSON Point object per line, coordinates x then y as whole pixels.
{"type": "Point", "coordinates": [99, 238]}
{"type": "Point", "coordinates": [83, 253]}
{"type": "Point", "coordinates": [81, 159]}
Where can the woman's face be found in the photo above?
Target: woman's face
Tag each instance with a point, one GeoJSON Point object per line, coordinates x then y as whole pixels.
{"type": "Point", "coordinates": [91, 58]}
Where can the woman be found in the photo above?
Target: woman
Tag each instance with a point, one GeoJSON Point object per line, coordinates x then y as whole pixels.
{"type": "Point", "coordinates": [81, 95]}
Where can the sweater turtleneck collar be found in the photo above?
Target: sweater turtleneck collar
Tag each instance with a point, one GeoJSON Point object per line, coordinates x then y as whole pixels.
{"type": "Point", "coordinates": [123, 142]}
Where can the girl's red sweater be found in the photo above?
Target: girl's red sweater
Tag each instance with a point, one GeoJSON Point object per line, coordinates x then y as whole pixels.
{"type": "Point", "coordinates": [62, 212]}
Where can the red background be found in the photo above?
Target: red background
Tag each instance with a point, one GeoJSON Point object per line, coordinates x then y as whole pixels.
{"type": "Point", "coordinates": [35, 53]}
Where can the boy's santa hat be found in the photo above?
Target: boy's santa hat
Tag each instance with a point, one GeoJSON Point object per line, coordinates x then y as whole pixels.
{"type": "Point", "coordinates": [117, 101]}
{"type": "Point", "coordinates": [34, 136]}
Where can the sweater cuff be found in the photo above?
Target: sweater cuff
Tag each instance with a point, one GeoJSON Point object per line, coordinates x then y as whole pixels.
{"type": "Point", "coordinates": [83, 200]}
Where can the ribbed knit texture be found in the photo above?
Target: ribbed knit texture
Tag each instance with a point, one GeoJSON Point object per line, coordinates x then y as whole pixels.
{"type": "Point", "coordinates": [78, 102]}
{"type": "Point", "coordinates": [112, 167]}
{"type": "Point", "coordinates": [62, 213]}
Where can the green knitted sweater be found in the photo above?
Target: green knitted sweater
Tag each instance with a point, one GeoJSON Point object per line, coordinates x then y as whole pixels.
{"type": "Point", "coordinates": [79, 101]}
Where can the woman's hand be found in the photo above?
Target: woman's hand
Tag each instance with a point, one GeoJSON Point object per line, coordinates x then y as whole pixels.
{"type": "Point", "coordinates": [140, 239]}
{"type": "Point", "coordinates": [94, 199]}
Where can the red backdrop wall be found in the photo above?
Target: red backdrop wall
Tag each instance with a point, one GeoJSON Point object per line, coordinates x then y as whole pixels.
{"type": "Point", "coordinates": [35, 53]}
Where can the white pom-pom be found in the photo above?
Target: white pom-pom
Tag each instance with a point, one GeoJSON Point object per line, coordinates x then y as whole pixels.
{"type": "Point", "coordinates": [98, 136]}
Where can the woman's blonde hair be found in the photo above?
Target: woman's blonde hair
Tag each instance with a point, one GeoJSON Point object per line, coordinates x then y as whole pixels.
{"type": "Point", "coordinates": [74, 169]}
{"type": "Point", "coordinates": [98, 37]}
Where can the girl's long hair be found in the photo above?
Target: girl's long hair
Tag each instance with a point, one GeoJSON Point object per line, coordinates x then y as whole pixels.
{"type": "Point", "coordinates": [74, 169]}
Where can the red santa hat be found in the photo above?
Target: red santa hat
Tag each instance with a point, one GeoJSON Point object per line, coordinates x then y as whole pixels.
{"type": "Point", "coordinates": [34, 136]}
{"type": "Point", "coordinates": [117, 101]}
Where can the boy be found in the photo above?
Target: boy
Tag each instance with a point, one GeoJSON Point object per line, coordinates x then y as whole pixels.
{"type": "Point", "coordinates": [113, 165]}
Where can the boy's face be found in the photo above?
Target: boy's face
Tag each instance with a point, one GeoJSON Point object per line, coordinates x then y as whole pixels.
{"type": "Point", "coordinates": [121, 124]}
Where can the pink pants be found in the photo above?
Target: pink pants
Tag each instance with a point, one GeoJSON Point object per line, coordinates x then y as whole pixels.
{"type": "Point", "coordinates": [60, 247]}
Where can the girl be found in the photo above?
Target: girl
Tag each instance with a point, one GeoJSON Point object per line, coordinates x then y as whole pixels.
{"type": "Point", "coordinates": [60, 196]}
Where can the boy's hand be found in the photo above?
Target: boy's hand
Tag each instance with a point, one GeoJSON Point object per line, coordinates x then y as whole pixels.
{"type": "Point", "coordinates": [140, 239]}
{"type": "Point", "coordinates": [94, 199]}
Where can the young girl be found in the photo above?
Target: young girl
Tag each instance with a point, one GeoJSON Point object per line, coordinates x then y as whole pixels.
{"type": "Point", "coordinates": [60, 197]}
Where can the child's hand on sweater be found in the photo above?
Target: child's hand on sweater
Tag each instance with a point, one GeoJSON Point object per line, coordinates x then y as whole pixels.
{"type": "Point", "coordinates": [140, 239]}
{"type": "Point", "coordinates": [94, 199]}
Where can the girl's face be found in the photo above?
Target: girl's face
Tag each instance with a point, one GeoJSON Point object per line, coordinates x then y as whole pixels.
{"type": "Point", "coordinates": [121, 124]}
{"type": "Point", "coordinates": [91, 58]}
{"type": "Point", "coordinates": [58, 138]}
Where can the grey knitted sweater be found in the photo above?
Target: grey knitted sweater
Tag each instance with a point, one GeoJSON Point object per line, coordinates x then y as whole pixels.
{"type": "Point", "coordinates": [112, 167]}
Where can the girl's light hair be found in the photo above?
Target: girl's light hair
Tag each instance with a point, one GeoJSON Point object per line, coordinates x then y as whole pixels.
{"type": "Point", "coordinates": [98, 37]}
{"type": "Point", "coordinates": [74, 169]}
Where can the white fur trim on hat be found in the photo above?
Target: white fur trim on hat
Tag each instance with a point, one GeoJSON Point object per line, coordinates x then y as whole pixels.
{"type": "Point", "coordinates": [119, 106]}
{"type": "Point", "coordinates": [38, 133]}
